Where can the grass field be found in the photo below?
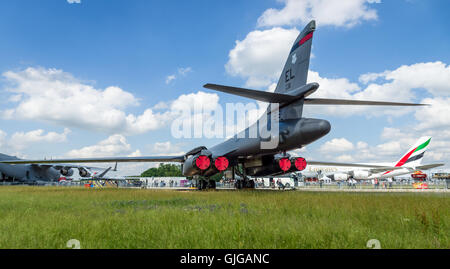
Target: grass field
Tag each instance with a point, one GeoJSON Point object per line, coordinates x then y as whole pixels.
{"type": "Point", "coordinates": [47, 217]}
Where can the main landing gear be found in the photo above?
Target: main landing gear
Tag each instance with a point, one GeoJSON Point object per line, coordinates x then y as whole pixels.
{"type": "Point", "coordinates": [203, 184]}
{"type": "Point", "coordinates": [244, 182]}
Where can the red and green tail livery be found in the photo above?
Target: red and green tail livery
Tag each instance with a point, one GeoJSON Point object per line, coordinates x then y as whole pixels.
{"type": "Point", "coordinates": [414, 155]}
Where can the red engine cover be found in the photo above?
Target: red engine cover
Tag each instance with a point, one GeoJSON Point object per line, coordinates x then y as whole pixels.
{"type": "Point", "coordinates": [202, 162]}
{"type": "Point", "coordinates": [285, 164]}
{"type": "Point", "coordinates": [300, 163]}
{"type": "Point", "coordinates": [221, 163]}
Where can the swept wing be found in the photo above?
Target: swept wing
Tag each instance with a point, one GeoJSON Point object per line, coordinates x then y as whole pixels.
{"type": "Point", "coordinates": [98, 160]}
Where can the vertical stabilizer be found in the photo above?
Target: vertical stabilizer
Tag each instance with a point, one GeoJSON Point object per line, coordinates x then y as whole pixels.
{"type": "Point", "coordinates": [295, 71]}
{"type": "Point", "coordinates": [413, 157]}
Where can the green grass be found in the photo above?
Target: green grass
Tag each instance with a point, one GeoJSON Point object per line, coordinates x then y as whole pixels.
{"type": "Point", "coordinates": [47, 217]}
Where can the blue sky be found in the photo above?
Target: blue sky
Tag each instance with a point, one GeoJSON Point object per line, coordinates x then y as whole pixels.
{"type": "Point", "coordinates": [136, 45]}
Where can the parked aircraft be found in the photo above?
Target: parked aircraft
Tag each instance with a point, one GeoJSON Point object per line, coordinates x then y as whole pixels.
{"type": "Point", "coordinates": [407, 164]}
{"type": "Point", "coordinates": [34, 173]}
{"type": "Point", "coordinates": [95, 175]}
{"type": "Point", "coordinates": [294, 131]}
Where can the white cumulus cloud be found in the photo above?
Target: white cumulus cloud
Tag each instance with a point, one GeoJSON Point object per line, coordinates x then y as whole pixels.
{"type": "Point", "coordinates": [20, 140]}
{"type": "Point", "coordinates": [339, 13]}
{"type": "Point", "coordinates": [260, 56]}
{"type": "Point", "coordinates": [52, 95]}
{"type": "Point", "coordinates": [182, 71]}
{"type": "Point", "coordinates": [337, 145]}
{"type": "Point", "coordinates": [345, 158]}
{"type": "Point", "coordinates": [404, 84]}
{"type": "Point", "coordinates": [114, 145]}
{"type": "Point", "coordinates": [436, 116]}
{"type": "Point", "coordinates": [169, 78]}
{"type": "Point", "coordinates": [167, 149]}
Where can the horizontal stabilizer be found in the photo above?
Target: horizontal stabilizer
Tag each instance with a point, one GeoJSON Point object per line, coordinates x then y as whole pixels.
{"type": "Point", "coordinates": [254, 94]}
{"type": "Point", "coordinates": [422, 167]}
{"type": "Point", "coordinates": [287, 98]}
{"type": "Point", "coordinates": [429, 166]}
{"type": "Point", "coordinates": [325, 101]}
{"type": "Point", "coordinates": [371, 167]}
{"type": "Point", "coordinates": [348, 164]}
{"type": "Point", "coordinates": [385, 169]}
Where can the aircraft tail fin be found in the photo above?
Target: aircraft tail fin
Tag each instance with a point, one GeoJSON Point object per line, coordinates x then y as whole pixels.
{"type": "Point", "coordinates": [413, 157]}
{"type": "Point", "coordinates": [295, 71]}
{"type": "Point", "coordinates": [104, 172]}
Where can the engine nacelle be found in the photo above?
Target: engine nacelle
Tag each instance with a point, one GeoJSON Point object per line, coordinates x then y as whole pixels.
{"type": "Point", "coordinates": [278, 165]}
{"type": "Point", "coordinates": [83, 172]}
{"type": "Point", "coordinates": [221, 163]}
{"type": "Point", "coordinates": [66, 171]}
{"type": "Point", "coordinates": [299, 163]}
{"type": "Point", "coordinates": [217, 165]}
{"type": "Point", "coordinates": [360, 174]}
{"type": "Point", "coordinates": [196, 165]}
{"type": "Point", "coordinates": [338, 176]}
{"type": "Point", "coordinates": [284, 164]}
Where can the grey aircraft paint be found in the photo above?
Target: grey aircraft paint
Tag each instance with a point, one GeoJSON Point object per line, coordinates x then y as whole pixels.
{"type": "Point", "coordinates": [26, 172]}
{"type": "Point", "coordinates": [39, 172]}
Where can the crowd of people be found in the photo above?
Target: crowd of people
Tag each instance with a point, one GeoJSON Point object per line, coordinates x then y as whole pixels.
{"type": "Point", "coordinates": [281, 183]}
{"type": "Point", "coordinates": [384, 184]}
{"type": "Point", "coordinates": [155, 183]}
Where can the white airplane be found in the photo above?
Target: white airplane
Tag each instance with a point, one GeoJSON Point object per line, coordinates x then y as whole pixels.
{"type": "Point", "coordinates": [408, 163]}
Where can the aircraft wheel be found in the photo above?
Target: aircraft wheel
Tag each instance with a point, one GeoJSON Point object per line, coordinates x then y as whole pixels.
{"type": "Point", "coordinates": [239, 184]}
{"type": "Point", "coordinates": [204, 184]}
{"type": "Point", "coordinates": [251, 184]}
{"type": "Point", "coordinates": [212, 184]}
{"type": "Point", "coordinates": [201, 185]}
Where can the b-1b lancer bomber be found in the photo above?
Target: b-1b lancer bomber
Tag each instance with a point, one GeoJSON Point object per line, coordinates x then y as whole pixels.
{"type": "Point", "coordinates": [257, 155]}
